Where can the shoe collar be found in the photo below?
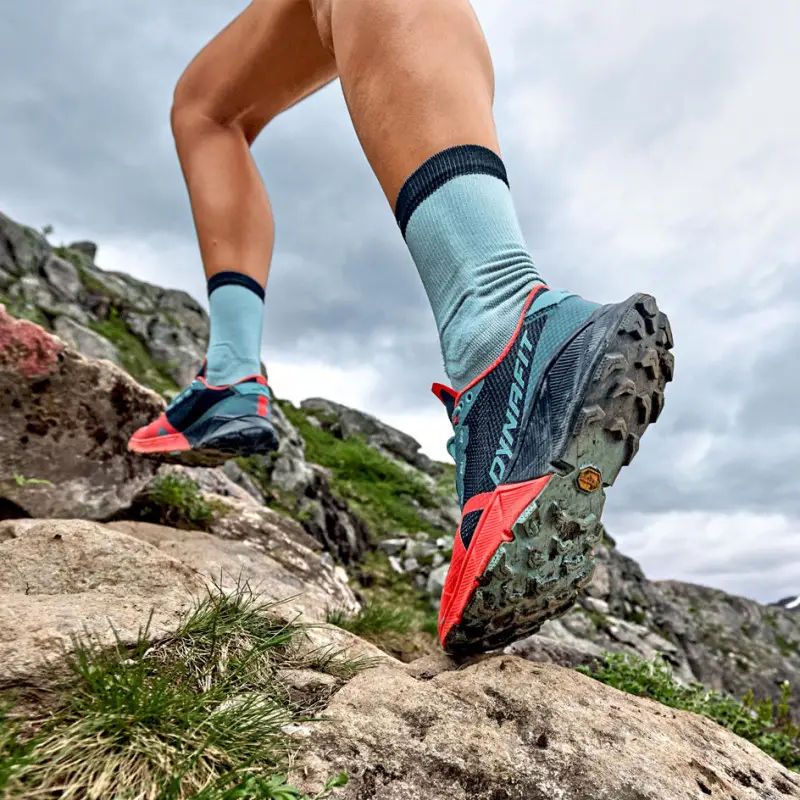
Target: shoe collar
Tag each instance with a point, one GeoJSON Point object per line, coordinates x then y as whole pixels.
{"type": "Point", "coordinates": [449, 397]}
{"type": "Point", "coordinates": [248, 379]}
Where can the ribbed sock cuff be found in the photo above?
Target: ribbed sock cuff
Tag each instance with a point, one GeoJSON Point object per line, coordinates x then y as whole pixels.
{"type": "Point", "coordinates": [230, 278]}
{"type": "Point", "coordinates": [469, 159]}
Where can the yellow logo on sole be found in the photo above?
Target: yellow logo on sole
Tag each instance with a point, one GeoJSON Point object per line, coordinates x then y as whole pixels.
{"type": "Point", "coordinates": [589, 479]}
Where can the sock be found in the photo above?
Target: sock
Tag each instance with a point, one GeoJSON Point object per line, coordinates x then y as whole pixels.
{"type": "Point", "coordinates": [460, 225]}
{"type": "Point", "coordinates": [237, 311]}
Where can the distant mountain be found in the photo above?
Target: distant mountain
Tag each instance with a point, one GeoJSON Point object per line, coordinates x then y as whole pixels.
{"type": "Point", "coordinates": [789, 603]}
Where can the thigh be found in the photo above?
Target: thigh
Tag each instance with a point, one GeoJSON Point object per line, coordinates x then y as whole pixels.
{"type": "Point", "coordinates": [266, 60]}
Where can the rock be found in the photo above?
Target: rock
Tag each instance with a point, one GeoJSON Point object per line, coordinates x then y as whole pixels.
{"type": "Point", "coordinates": [66, 420]}
{"type": "Point", "coordinates": [214, 481]}
{"type": "Point", "coordinates": [506, 729]}
{"type": "Point", "coordinates": [436, 581]}
{"type": "Point", "coordinates": [307, 570]}
{"type": "Point", "coordinates": [85, 341]}
{"type": "Point", "coordinates": [235, 473]}
{"type": "Point", "coordinates": [62, 277]}
{"type": "Point", "coordinates": [393, 546]}
{"type": "Point", "coordinates": [62, 578]}
{"type": "Point", "coordinates": [380, 435]}
{"type": "Point", "coordinates": [303, 582]}
{"type": "Point", "coordinates": [43, 285]}
{"type": "Point", "coordinates": [727, 643]}
{"type": "Point", "coordinates": [22, 249]}
{"type": "Point", "coordinates": [89, 249]}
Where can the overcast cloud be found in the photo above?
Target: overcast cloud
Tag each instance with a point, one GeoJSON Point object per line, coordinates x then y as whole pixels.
{"type": "Point", "coordinates": [650, 147]}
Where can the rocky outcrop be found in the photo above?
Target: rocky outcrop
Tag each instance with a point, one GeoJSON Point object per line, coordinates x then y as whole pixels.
{"type": "Point", "coordinates": [72, 578]}
{"type": "Point", "coordinates": [159, 335]}
{"type": "Point", "coordinates": [506, 729]}
{"type": "Point", "coordinates": [306, 487]}
{"type": "Point", "coordinates": [789, 603]}
{"type": "Point", "coordinates": [64, 426]}
{"type": "Point", "coordinates": [67, 578]}
{"type": "Point", "coordinates": [727, 643]}
{"type": "Point", "coordinates": [344, 422]}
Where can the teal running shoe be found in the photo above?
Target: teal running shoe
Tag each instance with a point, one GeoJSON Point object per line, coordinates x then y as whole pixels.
{"type": "Point", "coordinates": [206, 425]}
{"type": "Point", "coordinates": [539, 436]}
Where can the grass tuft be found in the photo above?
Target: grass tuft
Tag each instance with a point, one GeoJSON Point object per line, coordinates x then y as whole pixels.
{"type": "Point", "coordinates": [373, 621]}
{"type": "Point", "coordinates": [201, 714]}
{"type": "Point", "coordinates": [177, 500]}
{"type": "Point", "coordinates": [766, 726]}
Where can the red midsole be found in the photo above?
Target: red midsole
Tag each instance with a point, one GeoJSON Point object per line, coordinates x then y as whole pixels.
{"type": "Point", "coordinates": [160, 444]}
{"type": "Point", "coordinates": [505, 507]}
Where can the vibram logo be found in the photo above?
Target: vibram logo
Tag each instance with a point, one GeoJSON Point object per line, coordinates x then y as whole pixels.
{"type": "Point", "coordinates": [589, 479]}
{"type": "Point", "coordinates": [506, 444]}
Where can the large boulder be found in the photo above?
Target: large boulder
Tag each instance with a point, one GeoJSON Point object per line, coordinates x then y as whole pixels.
{"type": "Point", "coordinates": [74, 578]}
{"type": "Point", "coordinates": [506, 729]}
{"type": "Point", "coordinates": [68, 578]}
{"type": "Point", "coordinates": [64, 426]}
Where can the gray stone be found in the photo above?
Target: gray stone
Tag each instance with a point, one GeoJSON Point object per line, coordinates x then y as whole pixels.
{"type": "Point", "coordinates": [85, 341]}
{"type": "Point", "coordinates": [392, 546]}
{"type": "Point", "coordinates": [507, 728]}
{"type": "Point", "coordinates": [436, 581]}
{"type": "Point", "coordinates": [396, 564]}
{"type": "Point", "coordinates": [243, 480]}
{"type": "Point", "coordinates": [62, 277]}
{"type": "Point", "coordinates": [22, 249]}
{"type": "Point", "coordinates": [88, 249]}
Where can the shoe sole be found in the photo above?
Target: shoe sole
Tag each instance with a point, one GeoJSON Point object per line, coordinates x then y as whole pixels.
{"type": "Point", "coordinates": [243, 436]}
{"type": "Point", "coordinates": [544, 555]}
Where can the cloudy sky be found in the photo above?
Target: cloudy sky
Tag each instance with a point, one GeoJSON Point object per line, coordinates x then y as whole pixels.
{"type": "Point", "coordinates": [651, 146]}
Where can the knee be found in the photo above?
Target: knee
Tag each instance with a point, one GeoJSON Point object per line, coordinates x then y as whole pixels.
{"type": "Point", "coordinates": [321, 11]}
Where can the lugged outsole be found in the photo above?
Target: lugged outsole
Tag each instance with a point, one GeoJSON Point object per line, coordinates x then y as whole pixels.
{"type": "Point", "coordinates": [538, 575]}
{"type": "Point", "coordinates": [215, 450]}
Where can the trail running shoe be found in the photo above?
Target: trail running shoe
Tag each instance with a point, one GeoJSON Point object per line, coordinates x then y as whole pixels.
{"type": "Point", "coordinates": [538, 437]}
{"type": "Point", "coordinates": [206, 425]}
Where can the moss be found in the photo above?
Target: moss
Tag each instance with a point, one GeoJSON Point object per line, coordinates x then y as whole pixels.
{"type": "Point", "coordinates": [380, 490]}
{"type": "Point", "coordinates": [133, 354]}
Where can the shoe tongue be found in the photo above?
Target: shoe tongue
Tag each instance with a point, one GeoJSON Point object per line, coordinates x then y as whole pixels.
{"type": "Point", "coordinates": [447, 396]}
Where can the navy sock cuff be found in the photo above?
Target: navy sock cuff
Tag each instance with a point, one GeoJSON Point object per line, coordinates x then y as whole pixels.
{"type": "Point", "coordinates": [469, 159]}
{"type": "Point", "coordinates": [235, 279]}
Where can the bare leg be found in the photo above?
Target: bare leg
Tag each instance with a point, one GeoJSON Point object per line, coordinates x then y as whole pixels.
{"type": "Point", "coordinates": [417, 77]}
{"type": "Point", "coordinates": [266, 60]}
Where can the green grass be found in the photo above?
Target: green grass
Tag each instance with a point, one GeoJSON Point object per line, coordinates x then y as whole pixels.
{"type": "Point", "coordinates": [762, 723]}
{"type": "Point", "coordinates": [133, 354]}
{"type": "Point", "coordinates": [177, 501]}
{"type": "Point", "coordinates": [374, 620]}
{"type": "Point", "coordinates": [198, 715]}
{"type": "Point", "coordinates": [379, 489]}
{"type": "Point", "coordinates": [396, 617]}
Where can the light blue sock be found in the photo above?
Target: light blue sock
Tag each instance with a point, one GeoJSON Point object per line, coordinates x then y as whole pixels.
{"type": "Point", "coordinates": [460, 225]}
{"type": "Point", "coordinates": [237, 311]}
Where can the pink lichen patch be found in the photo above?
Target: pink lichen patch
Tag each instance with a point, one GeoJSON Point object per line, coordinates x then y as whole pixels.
{"type": "Point", "coordinates": [26, 348]}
